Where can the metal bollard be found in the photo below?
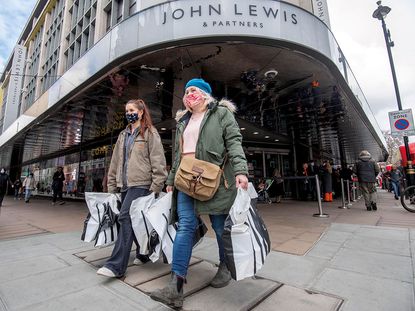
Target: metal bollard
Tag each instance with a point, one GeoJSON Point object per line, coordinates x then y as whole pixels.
{"type": "Point", "coordinates": [320, 208]}
{"type": "Point", "coordinates": [348, 194]}
{"type": "Point", "coordinates": [343, 197]}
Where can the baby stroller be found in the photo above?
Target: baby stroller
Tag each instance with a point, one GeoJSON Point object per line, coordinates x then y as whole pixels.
{"type": "Point", "coordinates": [263, 192]}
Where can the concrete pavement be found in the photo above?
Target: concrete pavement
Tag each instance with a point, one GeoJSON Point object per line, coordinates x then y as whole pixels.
{"type": "Point", "coordinates": [358, 265]}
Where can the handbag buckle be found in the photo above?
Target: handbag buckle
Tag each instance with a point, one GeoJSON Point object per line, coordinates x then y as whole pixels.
{"type": "Point", "coordinates": [195, 180]}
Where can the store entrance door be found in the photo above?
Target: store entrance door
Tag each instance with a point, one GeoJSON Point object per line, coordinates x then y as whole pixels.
{"type": "Point", "coordinates": [263, 162]}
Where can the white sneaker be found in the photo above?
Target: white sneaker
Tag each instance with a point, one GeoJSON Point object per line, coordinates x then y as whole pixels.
{"type": "Point", "coordinates": [138, 262]}
{"type": "Point", "coordinates": [106, 272]}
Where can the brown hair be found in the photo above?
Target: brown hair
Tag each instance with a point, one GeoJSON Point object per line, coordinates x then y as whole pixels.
{"type": "Point", "coordinates": [146, 121]}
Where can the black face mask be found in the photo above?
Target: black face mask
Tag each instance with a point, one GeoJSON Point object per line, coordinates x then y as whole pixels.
{"type": "Point", "coordinates": [131, 117]}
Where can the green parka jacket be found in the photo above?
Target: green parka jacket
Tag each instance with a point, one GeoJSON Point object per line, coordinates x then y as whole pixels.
{"type": "Point", "coordinates": [219, 135]}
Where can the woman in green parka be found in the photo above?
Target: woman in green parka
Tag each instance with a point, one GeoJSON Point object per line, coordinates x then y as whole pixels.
{"type": "Point", "coordinates": [206, 130]}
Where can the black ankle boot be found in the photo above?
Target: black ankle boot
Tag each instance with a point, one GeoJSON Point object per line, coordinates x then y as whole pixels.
{"type": "Point", "coordinates": [222, 277]}
{"type": "Point", "coordinates": [172, 294]}
{"type": "Point", "coordinates": [369, 208]}
{"type": "Point", "coordinates": [374, 207]}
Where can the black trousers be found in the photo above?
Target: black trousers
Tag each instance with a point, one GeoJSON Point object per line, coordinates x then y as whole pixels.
{"type": "Point", "coordinates": [2, 194]}
{"type": "Point", "coordinates": [118, 261]}
{"type": "Point", "coordinates": [57, 193]}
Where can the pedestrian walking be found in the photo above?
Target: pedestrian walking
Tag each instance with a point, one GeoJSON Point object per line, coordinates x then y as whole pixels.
{"type": "Point", "coordinates": [17, 186]}
{"type": "Point", "coordinates": [29, 186]}
{"type": "Point", "coordinates": [306, 187]}
{"type": "Point", "coordinates": [207, 131]}
{"type": "Point", "coordinates": [396, 176]}
{"type": "Point", "coordinates": [4, 183]}
{"type": "Point", "coordinates": [367, 170]}
{"type": "Point", "coordinates": [138, 168]}
{"type": "Point", "coordinates": [277, 187]}
{"type": "Point", "coordinates": [57, 185]}
{"type": "Point", "coordinates": [327, 183]}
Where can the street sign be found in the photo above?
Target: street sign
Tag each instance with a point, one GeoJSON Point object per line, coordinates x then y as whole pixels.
{"type": "Point", "coordinates": [402, 123]}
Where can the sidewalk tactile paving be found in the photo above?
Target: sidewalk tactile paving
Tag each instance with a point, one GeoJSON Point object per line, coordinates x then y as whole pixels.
{"type": "Point", "coordinates": [237, 296]}
{"type": "Point", "coordinates": [288, 298]}
{"type": "Point", "coordinates": [198, 277]}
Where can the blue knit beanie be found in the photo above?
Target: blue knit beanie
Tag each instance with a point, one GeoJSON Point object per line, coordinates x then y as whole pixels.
{"type": "Point", "coordinates": [201, 84]}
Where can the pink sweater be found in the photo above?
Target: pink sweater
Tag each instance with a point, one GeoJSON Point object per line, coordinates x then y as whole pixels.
{"type": "Point", "coordinates": [191, 133]}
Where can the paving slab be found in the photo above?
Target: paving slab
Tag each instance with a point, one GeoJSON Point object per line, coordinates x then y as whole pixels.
{"type": "Point", "coordinates": [95, 254]}
{"type": "Point", "coordinates": [20, 251]}
{"type": "Point", "coordinates": [97, 298]}
{"type": "Point", "coordinates": [336, 236]}
{"type": "Point", "coordinates": [237, 296]}
{"type": "Point", "coordinates": [376, 264]}
{"type": "Point", "coordinates": [100, 262]}
{"type": "Point", "coordinates": [136, 275]}
{"type": "Point", "coordinates": [400, 234]}
{"type": "Point", "coordinates": [199, 276]}
{"type": "Point", "coordinates": [395, 247]}
{"type": "Point", "coordinates": [324, 250]}
{"type": "Point", "coordinates": [32, 266]}
{"type": "Point", "coordinates": [19, 230]}
{"type": "Point", "coordinates": [47, 285]}
{"type": "Point", "coordinates": [309, 236]}
{"type": "Point", "coordinates": [65, 241]}
{"type": "Point", "coordinates": [344, 227]}
{"type": "Point", "coordinates": [70, 259]}
{"type": "Point", "coordinates": [294, 246]}
{"type": "Point", "coordinates": [290, 269]}
{"type": "Point", "coordinates": [207, 250]}
{"type": "Point", "coordinates": [366, 293]}
{"type": "Point", "coordinates": [288, 298]}
{"type": "Point", "coordinates": [412, 234]}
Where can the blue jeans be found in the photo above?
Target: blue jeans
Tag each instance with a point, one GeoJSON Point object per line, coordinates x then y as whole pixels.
{"type": "Point", "coordinates": [396, 190]}
{"type": "Point", "coordinates": [183, 243]}
{"type": "Point", "coordinates": [28, 193]}
{"type": "Point", "coordinates": [118, 261]}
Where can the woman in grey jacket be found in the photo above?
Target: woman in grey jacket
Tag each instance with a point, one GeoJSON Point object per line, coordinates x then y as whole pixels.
{"type": "Point", "coordinates": [138, 167]}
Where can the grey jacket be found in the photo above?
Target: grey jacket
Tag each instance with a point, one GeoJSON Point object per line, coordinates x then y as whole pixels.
{"type": "Point", "coordinates": [366, 169]}
{"type": "Point", "coordinates": [146, 162]}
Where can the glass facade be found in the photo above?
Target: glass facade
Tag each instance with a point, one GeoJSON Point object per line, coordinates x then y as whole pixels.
{"type": "Point", "coordinates": [295, 115]}
{"type": "Point", "coordinates": [84, 171]}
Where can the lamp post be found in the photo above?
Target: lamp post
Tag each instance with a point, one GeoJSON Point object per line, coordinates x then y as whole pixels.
{"type": "Point", "coordinates": [380, 13]}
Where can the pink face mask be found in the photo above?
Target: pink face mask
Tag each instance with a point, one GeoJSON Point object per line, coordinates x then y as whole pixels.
{"type": "Point", "coordinates": [193, 100]}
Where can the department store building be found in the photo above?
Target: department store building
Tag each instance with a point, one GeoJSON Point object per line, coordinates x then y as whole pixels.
{"type": "Point", "coordinates": [77, 62]}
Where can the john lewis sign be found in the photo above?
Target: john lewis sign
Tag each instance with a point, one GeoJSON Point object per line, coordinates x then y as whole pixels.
{"type": "Point", "coordinates": [235, 15]}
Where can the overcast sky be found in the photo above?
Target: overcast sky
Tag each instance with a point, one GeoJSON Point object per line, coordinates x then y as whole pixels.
{"type": "Point", "coordinates": [361, 39]}
{"type": "Point", "coordinates": [359, 35]}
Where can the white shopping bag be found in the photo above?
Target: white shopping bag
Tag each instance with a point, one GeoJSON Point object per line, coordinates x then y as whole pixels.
{"type": "Point", "coordinates": [101, 223]}
{"type": "Point", "coordinates": [246, 243]}
{"type": "Point", "coordinates": [251, 191]}
{"type": "Point", "coordinates": [158, 216]}
{"type": "Point", "coordinates": [240, 207]}
{"type": "Point", "coordinates": [141, 227]}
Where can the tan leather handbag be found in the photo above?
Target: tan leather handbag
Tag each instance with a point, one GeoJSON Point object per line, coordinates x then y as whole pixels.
{"type": "Point", "coordinates": [198, 179]}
